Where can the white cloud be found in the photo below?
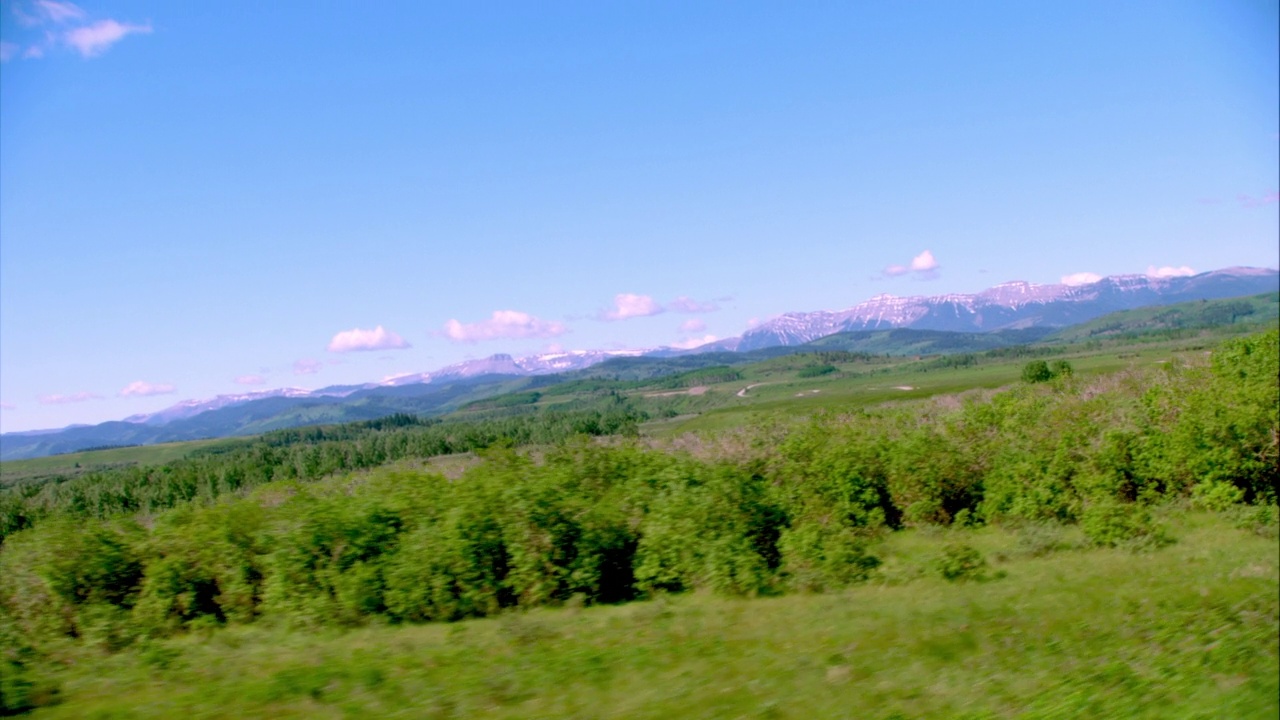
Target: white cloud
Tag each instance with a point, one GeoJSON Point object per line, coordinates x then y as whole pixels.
{"type": "Point", "coordinates": [307, 366]}
{"type": "Point", "coordinates": [924, 262]}
{"type": "Point", "coordinates": [693, 342]}
{"type": "Point", "coordinates": [924, 265]}
{"type": "Point", "coordinates": [7, 406]}
{"type": "Point", "coordinates": [378, 338]}
{"type": "Point", "coordinates": [141, 388]}
{"type": "Point", "coordinates": [1080, 278]}
{"type": "Point", "coordinates": [250, 380]}
{"type": "Point", "coordinates": [58, 399]}
{"type": "Point", "coordinates": [685, 304]}
{"type": "Point", "coordinates": [93, 40]}
{"type": "Point", "coordinates": [628, 305]}
{"type": "Point", "coordinates": [503, 324]}
{"type": "Point", "coordinates": [74, 29]}
{"type": "Point", "coordinates": [58, 12]}
{"type": "Point", "coordinates": [1168, 272]}
{"type": "Point", "coordinates": [692, 325]}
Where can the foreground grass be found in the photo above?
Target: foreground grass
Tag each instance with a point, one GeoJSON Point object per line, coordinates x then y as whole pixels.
{"type": "Point", "coordinates": [1186, 631]}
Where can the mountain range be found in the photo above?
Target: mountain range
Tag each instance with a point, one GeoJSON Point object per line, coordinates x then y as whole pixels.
{"type": "Point", "coordinates": [1006, 314]}
{"type": "Point", "coordinates": [1008, 306]}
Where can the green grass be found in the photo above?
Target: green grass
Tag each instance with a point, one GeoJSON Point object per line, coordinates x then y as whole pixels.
{"type": "Point", "coordinates": [1244, 314]}
{"type": "Point", "coordinates": [72, 464]}
{"type": "Point", "coordinates": [1189, 631]}
{"type": "Point", "coordinates": [781, 392]}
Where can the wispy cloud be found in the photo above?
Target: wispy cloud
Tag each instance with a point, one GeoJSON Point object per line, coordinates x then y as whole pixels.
{"type": "Point", "coordinates": [692, 325]}
{"type": "Point", "coordinates": [924, 266]}
{"type": "Point", "coordinates": [307, 366]}
{"type": "Point", "coordinates": [250, 380]}
{"type": "Point", "coordinates": [693, 342]}
{"type": "Point", "coordinates": [1080, 278]}
{"type": "Point", "coordinates": [1268, 198]}
{"type": "Point", "coordinates": [629, 305]}
{"type": "Point", "coordinates": [7, 406]}
{"type": "Point", "coordinates": [685, 304]}
{"type": "Point", "coordinates": [142, 388]}
{"type": "Point", "coordinates": [503, 324]}
{"type": "Point", "coordinates": [59, 399]}
{"type": "Point", "coordinates": [93, 40]}
{"type": "Point", "coordinates": [54, 24]}
{"type": "Point", "coordinates": [357, 340]}
{"type": "Point", "coordinates": [59, 12]}
{"type": "Point", "coordinates": [1168, 272]}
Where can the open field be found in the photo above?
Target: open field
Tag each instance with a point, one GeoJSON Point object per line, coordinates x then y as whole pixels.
{"type": "Point", "coordinates": [1188, 631]}
{"type": "Point", "coordinates": [781, 392]}
{"type": "Point", "coordinates": [72, 464]}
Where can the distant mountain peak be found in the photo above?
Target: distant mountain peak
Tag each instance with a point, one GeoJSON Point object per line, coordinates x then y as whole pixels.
{"type": "Point", "coordinates": [1015, 303]}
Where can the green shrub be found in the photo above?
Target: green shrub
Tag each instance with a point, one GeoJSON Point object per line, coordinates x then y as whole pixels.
{"type": "Point", "coordinates": [816, 558]}
{"type": "Point", "coordinates": [1127, 525]}
{"type": "Point", "coordinates": [1216, 496]}
{"type": "Point", "coordinates": [20, 692]}
{"type": "Point", "coordinates": [1263, 520]}
{"type": "Point", "coordinates": [1036, 371]}
{"type": "Point", "coordinates": [1037, 539]}
{"type": "Point", "coordinates": [960, 562]}
{"type": "Point", "coordinates": [812, 371]}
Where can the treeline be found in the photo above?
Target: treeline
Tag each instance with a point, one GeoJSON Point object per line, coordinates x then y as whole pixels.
{"type": "Point", "coordinates": [305, 454]}
{"type": "Point", "coordinates": [608, 523]}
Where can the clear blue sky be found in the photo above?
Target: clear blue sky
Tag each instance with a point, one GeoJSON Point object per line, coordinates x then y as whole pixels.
{"type": "Point", "coordinates": [198, 198]}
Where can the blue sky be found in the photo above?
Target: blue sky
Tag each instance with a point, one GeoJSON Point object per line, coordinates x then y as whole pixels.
{"type": "Point", "coordinates": [205, 198]}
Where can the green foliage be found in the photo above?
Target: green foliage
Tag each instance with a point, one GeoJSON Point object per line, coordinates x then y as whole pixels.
{"type": "Point", "coordinates": [717, 529]}
{"type": "Point", "coordinates": [257, 531]}
{"type": "Point", "coordinates": [1113, 524]}
{"type": "Point", "coordinates": [1216, 495]}
{"type": "Point", "coordinates": [203, 567]}
{"type": "Point", "coordinates": [960, 562]}
{"type": "Point", "coordinates": [1037, 539]}
{"type": "Point", "coordinates": [702, 376]}
{"type": "Point", "coordinates": [306, 454]}
{"type": "Point", "coordinates": [1262, 520]}
{"type": "Point", "coordinates": [812, 371]}
{"type": "Point", "coordinates": [1036, 371]}
{"type": "Point", "coordinates": [818, 557]}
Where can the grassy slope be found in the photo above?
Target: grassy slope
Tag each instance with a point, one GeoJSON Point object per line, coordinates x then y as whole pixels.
{"type": "Point", "coordinates": [14, 471]}
{"type": "Point", "coordinates": [1261, 309]}
{"type": "Point", "coordinates": [1186, 631]}
{"type": "Point", "coordinates": [782, 392]}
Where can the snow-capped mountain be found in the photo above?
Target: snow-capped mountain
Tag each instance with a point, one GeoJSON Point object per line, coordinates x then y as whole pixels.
{"type": "Point", "coordinates": [1010, 305]}
{"type": "Point", "coordinates": [504, 364]}
{"type": "Point", "coordinates": [191, 408]}
{"type": "Point", "coordinates": [499, 364]}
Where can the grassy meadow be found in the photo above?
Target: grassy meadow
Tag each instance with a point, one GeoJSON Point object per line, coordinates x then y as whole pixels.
{"type": "Point", "coordinates": [1053, 630]}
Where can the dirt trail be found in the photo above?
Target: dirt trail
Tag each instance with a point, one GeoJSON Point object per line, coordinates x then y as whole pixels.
{"type": "Point", "coordinates": [743, 391]}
